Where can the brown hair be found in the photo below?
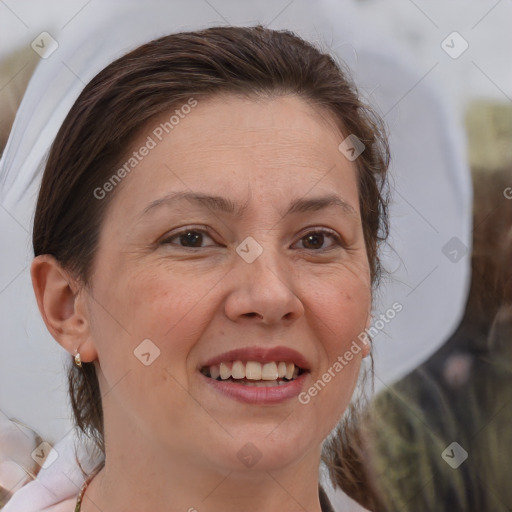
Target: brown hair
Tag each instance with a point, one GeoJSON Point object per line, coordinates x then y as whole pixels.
{"type": "Point", "coordinates": [154, 79]}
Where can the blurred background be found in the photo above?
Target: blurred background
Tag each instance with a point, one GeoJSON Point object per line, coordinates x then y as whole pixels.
{"type": "Point", "coordinates": [477, 84]}
{"type": "Point", "coordinates": [462, 393]}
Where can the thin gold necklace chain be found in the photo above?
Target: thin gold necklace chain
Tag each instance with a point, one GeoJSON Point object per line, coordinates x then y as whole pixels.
{"type": "Point", "coordinates": [84, 487]}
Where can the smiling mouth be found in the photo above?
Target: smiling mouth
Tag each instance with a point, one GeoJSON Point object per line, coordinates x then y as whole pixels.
{"type": "Point", "coordinates": [253, 373]}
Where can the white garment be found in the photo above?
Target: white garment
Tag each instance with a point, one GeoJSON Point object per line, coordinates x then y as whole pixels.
{"type": "Point", "coordinates": [57, 486]}
{"type": "Point", "coordinates": [432, 201]}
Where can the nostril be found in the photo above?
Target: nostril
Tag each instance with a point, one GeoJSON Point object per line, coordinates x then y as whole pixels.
{"type": "Point", "coordinates": [252, 315]}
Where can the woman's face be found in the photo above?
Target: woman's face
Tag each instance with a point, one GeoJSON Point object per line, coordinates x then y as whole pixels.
{"type": "Point", "coordinates": [182, 279]}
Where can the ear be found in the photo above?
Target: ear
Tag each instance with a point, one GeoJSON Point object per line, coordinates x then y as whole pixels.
{"type": "Point", "coordinates": [62, 305]}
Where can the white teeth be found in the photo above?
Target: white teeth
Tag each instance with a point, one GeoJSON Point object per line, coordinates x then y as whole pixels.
{"type": "Point", "coordinates": [254, 371]}
{"type": "Point", "coordinates": [269, 371]}
{"type": "Point", "coordinates": [238, 370]}
{"type": "Point", "coordinates": [214, 371]}
{"type": "Point", "coordinates": [225, 371]}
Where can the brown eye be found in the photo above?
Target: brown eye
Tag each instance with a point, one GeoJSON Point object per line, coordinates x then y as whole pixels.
{"type": "Point", "coordinates": [315, 240]}
{"type": "Point", "coordinates": [189, 238]}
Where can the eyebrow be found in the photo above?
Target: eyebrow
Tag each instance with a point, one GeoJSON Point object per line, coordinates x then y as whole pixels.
{"type": "Point", "coordinates": [223, 204]}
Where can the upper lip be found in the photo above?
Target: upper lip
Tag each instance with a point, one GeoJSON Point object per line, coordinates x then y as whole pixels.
{"type": "Point", "coordinates": [261, 355]}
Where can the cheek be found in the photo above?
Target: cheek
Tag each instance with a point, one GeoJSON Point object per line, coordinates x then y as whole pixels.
{"type": "Point", "coordinates": [341, 302]}
{"type": "Point", "coordinates": [339, 311]}
{"type": "Point", "coordinates": [169, 308]}
{"type": "Point", "coordinates": [173, 307]}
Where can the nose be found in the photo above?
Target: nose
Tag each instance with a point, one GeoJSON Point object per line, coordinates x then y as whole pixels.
{"type": "Point", "coordinates": [263, 290]}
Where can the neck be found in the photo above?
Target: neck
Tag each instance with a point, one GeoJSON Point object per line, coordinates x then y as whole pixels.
{"type": "Point", "coordinates": [148, 484]}
{"type": "Point", "coordinates": [177, 466]}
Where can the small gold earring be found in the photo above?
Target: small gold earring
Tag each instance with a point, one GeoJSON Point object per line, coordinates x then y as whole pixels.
{"type": "Point", "coordinates": [78, 361]}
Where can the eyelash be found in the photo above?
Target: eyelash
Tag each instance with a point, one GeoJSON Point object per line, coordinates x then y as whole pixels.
{"type": "Point", "coordinates": [334, 236]}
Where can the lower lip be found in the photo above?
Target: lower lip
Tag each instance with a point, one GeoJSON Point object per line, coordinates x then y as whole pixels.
{"type": "Point", "coordinates": [259, 395]}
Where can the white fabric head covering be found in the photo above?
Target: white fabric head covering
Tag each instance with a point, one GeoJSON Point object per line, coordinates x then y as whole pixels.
{"type": "Point", "coordinates": [431, 220]}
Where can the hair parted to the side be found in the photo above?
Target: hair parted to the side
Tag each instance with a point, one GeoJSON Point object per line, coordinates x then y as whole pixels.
{"type": "Point", "coordinates": [155, 78]}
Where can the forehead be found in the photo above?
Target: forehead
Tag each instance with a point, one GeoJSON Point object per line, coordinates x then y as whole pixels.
{"type": "Point", "coordinates": [243, 123]}
{"type": "Point", "coordinates": [276, 145]}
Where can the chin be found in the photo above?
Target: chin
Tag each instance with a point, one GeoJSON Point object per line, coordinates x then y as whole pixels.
{"type": "Point", "coordinates": [266, 448]}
